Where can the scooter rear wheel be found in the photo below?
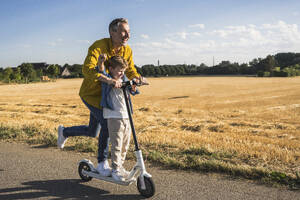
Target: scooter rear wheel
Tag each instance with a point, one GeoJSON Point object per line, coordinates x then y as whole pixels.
{"type": "Point", "coordinates": [150, 187]}
{"type": "Point", "coordinates": [84, 166]}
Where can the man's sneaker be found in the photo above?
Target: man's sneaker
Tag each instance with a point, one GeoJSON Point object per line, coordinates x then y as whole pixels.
{"type": "Point", "coordinates": [117, 175]}
{"type": "Point", "coordinates": [61, 139]}
{"type": "Point", "coordinates": [104, 169]}
{"type": "Point", "coordinates": [124, 172]}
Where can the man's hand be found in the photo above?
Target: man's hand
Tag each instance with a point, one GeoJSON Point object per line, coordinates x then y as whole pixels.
{"type": "Point", "coordinates": [141, 80]}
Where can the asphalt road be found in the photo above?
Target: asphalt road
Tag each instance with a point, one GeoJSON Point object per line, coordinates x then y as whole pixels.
{"type": "Point", "coordinates": [38, 172]}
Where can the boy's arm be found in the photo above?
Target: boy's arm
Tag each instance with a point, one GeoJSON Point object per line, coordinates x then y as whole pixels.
{"type": "Point", "coordinates": [104, 78]}
{"type": "Point", "coordinates": [100, 63]}
{"type": "Point", "coordinates": [101, 69]}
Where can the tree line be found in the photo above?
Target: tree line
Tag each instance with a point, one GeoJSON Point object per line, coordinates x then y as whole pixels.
{"type": "Point", "coordinates": [33, 72]}
{"type": "Point", "coordinates": [281, 64]}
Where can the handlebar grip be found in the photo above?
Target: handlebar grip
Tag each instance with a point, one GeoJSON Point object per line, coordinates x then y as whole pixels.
{"type": "Point", "coordinates": [129, 83]}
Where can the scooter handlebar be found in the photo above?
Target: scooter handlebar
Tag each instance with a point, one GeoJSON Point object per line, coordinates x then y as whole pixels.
{"type": "Point", "coordinates": [129, 83]}
{"type": "Point", "coordinates": [134, 82]}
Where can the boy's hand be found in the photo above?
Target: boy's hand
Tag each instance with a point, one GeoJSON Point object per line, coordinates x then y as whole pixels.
{"type": "Point", "coordinates": [101, 59]}
{"type": "Point", "coordinates": [115, 83]}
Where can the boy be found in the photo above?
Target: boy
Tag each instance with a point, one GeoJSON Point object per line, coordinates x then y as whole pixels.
{"type": "Point", "coordinates": [115, 111]}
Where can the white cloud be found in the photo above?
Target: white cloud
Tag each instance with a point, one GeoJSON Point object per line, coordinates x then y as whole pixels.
{"type": "Point", "coordinates": [239, 31]}
{"type": "Point", "coordinates": [139, 45]}
{"type": "Point", "coordinates": [221, 33]}
{"type": "Point", "coordinates": [157, 44]}
{"type": "Point", "coordinates": [144, 36]}
{"type": "Point", "coordinates": [195, 34]}
{"type": "Point", "coordinates": [283, 31]}
{"type": "Point", "coordinates": [202, 26]}
{"type": "Point", "coordinates": [234, 43]}
{"type": "Point", "coordinates": [175, 44]}
{"type": "Point", "coordinates": [265, 33]}
{"type": "Point", "coordinates": [182, 35]}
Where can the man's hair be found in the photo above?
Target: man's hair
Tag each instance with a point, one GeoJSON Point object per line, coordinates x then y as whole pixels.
{"type": "Point", "coordinates": [117, 61]}
{"type": "Point", "coordinates": [113, 26]}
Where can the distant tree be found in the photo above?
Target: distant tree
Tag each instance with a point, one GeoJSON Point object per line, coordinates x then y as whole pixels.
{"type": "Point", "coordinates": [16, 75]}
{"type": "Point", "coordinates": [157, 71]}
{"type": "Point", "coordinates": [254, 62]}
{"type": "Point", "coordinates": [287, 59]}
{"type": "Point", "coordinates": [180, 70]}
{"type": "Point", "coordinates": [203, 65]}
{"type": "Point", "coordinates": [246, 69]}
{"type": "Point", "coordinates": [27, 71]}
{"type": "Point", "coordinates": [267, 64]}
{"type": "Point", "coordinates": [53, 70]}
{"type": "Point", "coordinates": [32, 75]}
{"type": "Point", "coordinates": [7, 74]}
{"type": "Point", "coordinates": [148, 70]}
{"type": "Point", "coordinates": [40, 73]}
{"type": "Point", "coordinates": [172, 70]}
{"type": "Point", "coordinates": [76, 70]}
{"type": "Point", "coordinates": [1, 73]}
{"type": "Point", "coordinates": [163, 70]}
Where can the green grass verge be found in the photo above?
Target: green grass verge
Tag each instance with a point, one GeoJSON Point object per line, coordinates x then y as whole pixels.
{"type": "Point", "coordinates": [172, 157]}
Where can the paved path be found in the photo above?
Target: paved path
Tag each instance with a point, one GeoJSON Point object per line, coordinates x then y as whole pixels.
{"type": "Point", "coordinates": [36, 172]}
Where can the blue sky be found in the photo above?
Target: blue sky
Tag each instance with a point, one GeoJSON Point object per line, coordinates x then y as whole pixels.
{"type": "Point", "coordinates": [173, 31]}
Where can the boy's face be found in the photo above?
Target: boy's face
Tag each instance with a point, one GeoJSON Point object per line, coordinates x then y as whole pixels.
{"type": "Point", "coordinates": [117, 72]}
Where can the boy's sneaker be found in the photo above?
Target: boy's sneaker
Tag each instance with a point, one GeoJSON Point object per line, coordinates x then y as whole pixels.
{"type": "Point", "coordinates": [117, 175]}
{"type": "Point", "coordinates": [124, 172]}
{"type": "Point", "coordinates": [103, 168]}
{"type": "Point", "coordinates": [61, 139]}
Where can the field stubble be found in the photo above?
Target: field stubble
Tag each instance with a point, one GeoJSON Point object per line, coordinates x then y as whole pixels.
{"type": "Point", "coordinates": [238, 125]}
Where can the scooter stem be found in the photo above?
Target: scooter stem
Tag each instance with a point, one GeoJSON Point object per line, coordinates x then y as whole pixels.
{"type": "Point", "coordinates": [130, 119]}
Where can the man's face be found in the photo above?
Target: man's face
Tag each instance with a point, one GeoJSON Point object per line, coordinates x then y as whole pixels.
{"type": "Point", "coordinates": [121, 36]}
{"type": "Point", "coordinates": [117, 72]}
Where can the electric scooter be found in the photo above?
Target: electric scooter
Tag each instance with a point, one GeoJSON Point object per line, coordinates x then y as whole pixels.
{"type": "Point", "coordinates": [138, 174]}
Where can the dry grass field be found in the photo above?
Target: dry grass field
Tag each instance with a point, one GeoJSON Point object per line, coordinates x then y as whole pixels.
{"type": "Point", "coordinates": [244, 126]}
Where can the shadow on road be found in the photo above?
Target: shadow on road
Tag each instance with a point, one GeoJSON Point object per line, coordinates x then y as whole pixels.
{"type": "Point", "coordinates": [43, 146]}
{"type": "Point", "coordinates": [60, 189]}
{"type": "Point", "coordinates": [179, 97]}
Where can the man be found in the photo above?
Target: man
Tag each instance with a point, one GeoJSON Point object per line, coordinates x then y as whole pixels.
{"type": "Point", "coordinates": [90, 91]}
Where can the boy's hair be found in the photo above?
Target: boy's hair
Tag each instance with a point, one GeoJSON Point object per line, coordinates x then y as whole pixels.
{"type": "Point", "coordinates": [117, 61]}
{"type": "Point", "coordinates": [113, 26]}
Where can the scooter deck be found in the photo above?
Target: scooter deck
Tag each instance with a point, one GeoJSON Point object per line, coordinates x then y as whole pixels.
{"type": "Point", "coordinates": [95, 174]}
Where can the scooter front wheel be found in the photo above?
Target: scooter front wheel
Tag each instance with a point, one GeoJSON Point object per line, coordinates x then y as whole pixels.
{"type": "Point", "coordinates": [84, 166]}
{"type": "Point", "coordinates": [150, 187]}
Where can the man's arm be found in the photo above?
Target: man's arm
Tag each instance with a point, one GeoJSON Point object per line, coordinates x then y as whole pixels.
{"type": "Point", "coordinates": [130, 72]}
{"type": "Point", "coordinates": [90, 63]}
